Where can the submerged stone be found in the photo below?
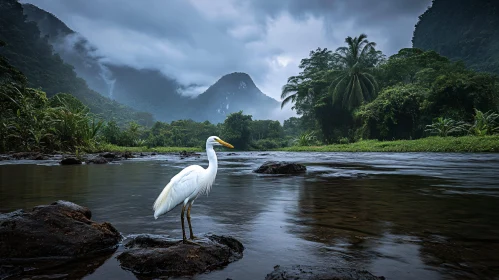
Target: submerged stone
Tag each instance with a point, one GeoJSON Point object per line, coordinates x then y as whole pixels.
{"type": "Point", "coordinates": [70, 161]}
{"type": "Point", "coordinates": [281, 167]}
{"type": "Point", "coordinates": [185, 154]}
{"type": "Point", "coordinates": [109, 155]}
{"type": "Point", "coordinates": [29, 156]}
{"type": "Point", "coordinates": [156, 255]}
{"type": "Point", "coordinates": [303, 272]}
{"type": "Point", "coordinates": [97, 160]}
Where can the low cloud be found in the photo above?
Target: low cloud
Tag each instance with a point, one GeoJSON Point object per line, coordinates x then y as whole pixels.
{"type": "Point", "coordinates": [197, 42]}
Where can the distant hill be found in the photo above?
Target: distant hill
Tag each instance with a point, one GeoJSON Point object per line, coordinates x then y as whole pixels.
{"type": "Point", "coordinates": [465, 30]}
{"type": "Point", "coordinates": [149, 90]}
{"type": "Point", "coordinates": [32, 54]}
{"type": "Point", "coordinates": [146, 90]}
{"type": "Point", "coordinates": [232, 93]}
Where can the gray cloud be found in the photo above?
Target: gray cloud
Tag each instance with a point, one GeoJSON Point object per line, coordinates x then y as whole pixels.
{"type": "Point", "coordinates": [197, 41]}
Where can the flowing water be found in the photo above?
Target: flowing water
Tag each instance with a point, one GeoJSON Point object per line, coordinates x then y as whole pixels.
{"type": "Point", "coordinates": [402, 216]}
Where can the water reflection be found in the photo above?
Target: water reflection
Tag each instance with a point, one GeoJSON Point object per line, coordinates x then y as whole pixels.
{"type": "Point", "coordinates": [404, 216]}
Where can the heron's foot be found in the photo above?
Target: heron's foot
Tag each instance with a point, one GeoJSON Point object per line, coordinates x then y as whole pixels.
{"type": "Point", "coordinates": [186, 241]}
{"type": "Point", "coordinates": [194, 237]}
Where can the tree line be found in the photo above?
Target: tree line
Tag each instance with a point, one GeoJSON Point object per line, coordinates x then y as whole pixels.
{"type": "Point", "coordinates": [357, 93]}
{"type": "Point", "coordinates": [238, 129]}
{"type": "Point", "coordinates": [351, 94]}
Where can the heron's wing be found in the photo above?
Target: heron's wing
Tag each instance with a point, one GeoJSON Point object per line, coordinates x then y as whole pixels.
{"type": "Point", "coordinates": [180, 187]}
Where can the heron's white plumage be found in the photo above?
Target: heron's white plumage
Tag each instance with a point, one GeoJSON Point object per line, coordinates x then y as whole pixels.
{"type": "Point", "coordinates": [190, 182]}
{"type": "Point", "coordinates": [181, 186]}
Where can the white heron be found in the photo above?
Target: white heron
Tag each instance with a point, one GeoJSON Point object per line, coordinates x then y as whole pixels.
{"type": "Point", "coordinates": [188, 184]}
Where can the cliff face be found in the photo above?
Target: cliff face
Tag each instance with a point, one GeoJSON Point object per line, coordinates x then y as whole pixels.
{"type": "Point", "coordinates": [466, 30]}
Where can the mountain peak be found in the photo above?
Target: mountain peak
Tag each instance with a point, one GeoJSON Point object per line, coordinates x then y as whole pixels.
{"type": "Point", "coordinates": [237, 79]}
{"type": "Point", "coordinates": [232, 93]}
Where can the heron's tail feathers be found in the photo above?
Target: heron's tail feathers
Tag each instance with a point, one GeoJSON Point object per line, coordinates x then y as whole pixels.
{"type": "Point", "coordinates": [162, 203]}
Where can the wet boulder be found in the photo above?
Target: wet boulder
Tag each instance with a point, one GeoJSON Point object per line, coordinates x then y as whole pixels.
{"type": "Point", "coordinates": [70, 161]}
{"type": "Point", "coordinates": [156, 255]}
{"type": "Point", "coordinates": [29, 156]}
{"type": "Point", "coordinates": [281, 167]}
{"type": "Point", "coordinates": [185, 154]}
{"type": "Point", "coordinates": [302, 272]}
{"type": "Point", "coordinates": [109, 155]}
{"type": "Point", "coordinates": [61, 229]}
{"type": "Point", "coordinates": [97, 160]}
{"type": "Point", "coordinates": [127, 155]}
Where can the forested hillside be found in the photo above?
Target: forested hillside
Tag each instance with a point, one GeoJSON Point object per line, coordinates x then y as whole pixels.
{"type": "Point", "coordinates": [25, 50]}
{"type": "Point", "coordinates": [465, 30]}
{"type": "Point", "coordinates": [148, 89]}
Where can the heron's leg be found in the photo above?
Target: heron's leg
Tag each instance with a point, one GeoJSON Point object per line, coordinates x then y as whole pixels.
{"type": "Point", "coordinates": [184, 239]}
{"type": "Point", "coordinates": [189, 220]}
{"type": "Point", "coordinates": [183, 227]}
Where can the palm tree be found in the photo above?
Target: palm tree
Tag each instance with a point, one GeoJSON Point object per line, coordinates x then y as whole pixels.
{"type": "Point", "coordinates": [300, 89]}
{"type": "Point", "coordinates": [290, 91]}
{"type": "Point", "coordinates": [352, 83]}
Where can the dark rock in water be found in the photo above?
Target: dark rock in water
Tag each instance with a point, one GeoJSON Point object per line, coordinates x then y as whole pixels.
{"type": "Point", "coordinates": [70, 161]}
{"type": "Point", "coordinates": [127, 155]}
{"type": "Point", "coordinates": [62, 229]}
{"type": "Point", "coordinates": [302, 272]}
{"type": "Point", "coordinates": [97, 160]}
{"type": "Point", "coordinates": [155, 255]}
{"type": "Point", "coordinates": [108, 155]}
{"type": "Point", "coordinates": [232, 154]}
{"type": "Point", "coordinates": [281, 167]}
{"type": "Point", "coordinates": [185, 154]}
{"type": "Point", "coordinates": [29, 155]}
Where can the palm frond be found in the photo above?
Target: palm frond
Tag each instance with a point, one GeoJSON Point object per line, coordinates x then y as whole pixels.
{"type": "Point", "coordinates": [286, 100]}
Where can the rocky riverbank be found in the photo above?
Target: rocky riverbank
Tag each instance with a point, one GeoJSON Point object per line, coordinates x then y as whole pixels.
{"type": "Point", "coordinates": [49, 239]}
{"type": "Point", "coordinates": [93, 158]}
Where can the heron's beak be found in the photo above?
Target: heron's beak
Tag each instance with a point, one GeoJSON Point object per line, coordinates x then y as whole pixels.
{"type": "Point", "coordinates": [224, 143]}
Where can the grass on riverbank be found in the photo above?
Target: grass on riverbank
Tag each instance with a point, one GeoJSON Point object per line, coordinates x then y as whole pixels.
{"type": "Point", "coordinates": [472, 144]}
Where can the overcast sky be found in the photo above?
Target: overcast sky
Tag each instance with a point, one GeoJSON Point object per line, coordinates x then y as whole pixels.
{"type": "Point", "coordinates": [198, 41]}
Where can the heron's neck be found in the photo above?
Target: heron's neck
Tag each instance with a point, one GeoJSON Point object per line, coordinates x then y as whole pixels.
{"type": "Point", "coordinates": [212, 159]}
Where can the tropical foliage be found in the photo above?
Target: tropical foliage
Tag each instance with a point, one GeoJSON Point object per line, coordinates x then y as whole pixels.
{"type": "Point", "coordinates": [353, 83]}
{"type": "Point", "coordinates": [355, 93]}
{"type": "Point", "coordinates": [444, 127]}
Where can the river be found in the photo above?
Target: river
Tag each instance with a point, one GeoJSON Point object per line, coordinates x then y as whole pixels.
{"type": "Point", "coordinates": [399, 215]}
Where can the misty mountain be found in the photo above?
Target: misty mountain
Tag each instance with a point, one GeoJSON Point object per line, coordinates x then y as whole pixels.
{"type": "Point", "coordinates": [30, 52]}
{"type": "Point", "coordinates": [146, 89]}
{"type": "Point", "coordinates": [232, 93]}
